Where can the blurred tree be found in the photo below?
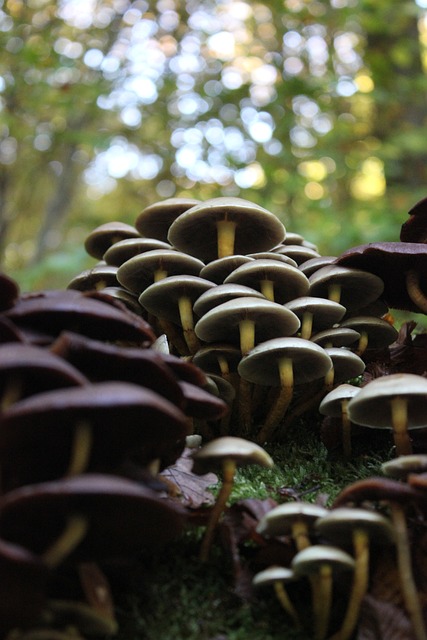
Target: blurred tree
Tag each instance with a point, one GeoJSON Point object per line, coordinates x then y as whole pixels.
{"type": "Point", "coordinates": [314, 109]}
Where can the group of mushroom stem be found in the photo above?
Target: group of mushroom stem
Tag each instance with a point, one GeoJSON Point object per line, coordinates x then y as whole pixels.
{"type": "Point", "coordinates": [225, 274]}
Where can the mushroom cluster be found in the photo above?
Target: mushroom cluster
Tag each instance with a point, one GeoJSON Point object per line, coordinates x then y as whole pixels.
{"type": "Point", "coordinates": [90, 412]}
{"type": "Point", "coordinates": [273, 324]}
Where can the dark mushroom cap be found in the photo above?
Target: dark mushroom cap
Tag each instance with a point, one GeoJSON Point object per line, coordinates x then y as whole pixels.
{"type": "Point", "coordinates": [154, 221]}
{"type": "Point", "coordinates": [127, 421]}
{"type": "Point", "coordinates": [102, 237]}
{"type": "Point", "coordinates": [200, 403]}
{"type": "Point", "coordinates": [209, 357]}
{"type": "Point", "coordinates": [390, 261]}
{"type": "Point", "coordinates": [34, 369]}
{"type": "Point", "coordinates": [378, 489]}
{"type": "Point", "coordinates": [100, 361]}
{"type": "Point", "coordinates": [125, 518]}
{"type": "Point", "coordinates": [336, 337]}
{"type": "Point", "coordinates": [54, 311]}
{"type": "Point", "coordinates": [137, 273]}
{"type": "Point", "coordinates": [23, 588]}
{"type": "Point", "coordinates": [415, 229]}
{"type": "Point", "coordinates": [195, 231]}
{"type": "Point", "coordinates": [9, 291]}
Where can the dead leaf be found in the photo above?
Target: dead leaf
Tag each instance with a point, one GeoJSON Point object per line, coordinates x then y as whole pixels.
{"type": "Point", "coordinates": [189, 489]}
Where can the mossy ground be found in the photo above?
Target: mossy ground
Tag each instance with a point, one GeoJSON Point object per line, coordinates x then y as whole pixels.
{"type": "Point", "coordinates": [174, 596]}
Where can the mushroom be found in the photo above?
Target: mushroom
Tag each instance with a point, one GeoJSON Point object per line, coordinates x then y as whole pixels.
{"type": "Point", "coordinates": [375, 333]}
{"type": "Point", "coordinates": [223, 293]}
{"type": "Point", "coordinates": [225, 226]}
{"type": "Point", "coordinates": [400, 468]}
{"type": "Point", "coordinates": [351, 287]}
{"type": "Point", "coordinates": [336, 337]}
{"type": "Point", "coordinates": [321, 562]}
{"type": "Point", "coordinates": [217, 270]}
{"type": "Point", "coordinates": [315, 313]}
{"type": "Point", "coordinates": [415, 229]}
{"type": "Point", "coordinates": [123, 250]}
{"type": "Point", "coordinates": [359, 527]}
{"type": "Point", "coordinates": [227, 453]}
{"type": "Point", "coordinates": [335, 405]}
{"type": "Point", "coordinates": [294, 518]}
{"type": "Point", "coordinates": [172, 299]}
{"type": "Point", "coordinates": [154, 221]}
{"type": "Point", "coordinates": [397, 402]}
{"type": "Point", "coordinates": [277, 281]}
{"type": "Point", "coordinates": [102, 237]}
{"type": "Point", "coordinates": [97, 277]}
{"type": "Point", "coordinates": [278, 577]}
{"type": "Point", "coordinates": [283, 362]}
{"type": "Point", "coordinates": [398, 496]}
{"type": "Point", "coordinates": [298, 252]}
{"type": "Point", "coordinates": [314, 264]}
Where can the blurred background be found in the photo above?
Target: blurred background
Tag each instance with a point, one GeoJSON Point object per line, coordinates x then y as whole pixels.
{"type": "Point", "coordinates": [315, 109]}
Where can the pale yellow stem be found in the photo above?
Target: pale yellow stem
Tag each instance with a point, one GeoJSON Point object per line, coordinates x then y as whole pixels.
{"type": "Point", "coordinates": [185, 306]}
{"type": "Point", "coordinates": [81, 448]}
{"type": "Point", "coordinates": [334, 292]}
{"type": "Point", "coordinates": [267, 289]}
{"type": "Point", "coordinates": [229, 470]}
{"type": "Point", "coordinates": [75, 530]}
{"type": "Point", "coordinates": [307, 325]}
{"type": "Point", "coordinates": [399, 422]}
{"type": "Point", "coordinates": [226, 232]}
{"type": "Point", "coordinates": [247, 335]}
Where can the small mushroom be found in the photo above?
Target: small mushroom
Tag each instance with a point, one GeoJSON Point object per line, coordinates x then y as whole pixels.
{"type": "Point", "coordinates": [227, 453]}
{"type": "Point", "coordinates": [102, 237]}
{"type": "Point", "coordinates": [154, 221]}
{"type": "Point", "coordinates": [397, 402]}
{"type": "Point", "coordinates": [400, 468]}
{"type": "Point", "coordinates": [351, 287]}
{"type": "Point", "coordinates": [321, 562]}
{"type": "Point", "coordinates": [123, 250]}
{"type": "Point", "coordinates": [278, 577]}
{"type": "Point", "coordinates": [217, 270]}
{"type": "Point", "coordinates": [294, 518]}
{"type": "Point", "coordinates": [375, 333]}
{"type": "Point", "coordinates": [335, 405]}
{"type": "Point", "coordinates": [315, 313]}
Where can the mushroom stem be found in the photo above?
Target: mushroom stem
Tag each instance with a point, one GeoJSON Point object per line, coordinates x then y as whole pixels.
{"type": "Point", "coordinates": [229, 470]}
{"type": "Point", "coordinates": [75, 530]}
{"type": "Point", "coordinates": [187, 322]}
{"type": "Point", "coordinates": [359, 586]}
{"type": "Point", "coordinates": [267, 289]}
{"type": "Point", "coordinates": [362, 344]}
{"type": "Point", "coordinates": [409, 590]}
{"type": "Point", "coordinates": [399, 418]}
{"type": "Point", "coordinates": [226, 233]}
{"type": "Point", "coordinates": [322, 601]}
{"type": "Point", "coordinates": [81, 448]}
{"type": "Point", "coordinates": [283, 598]}
{"type": "Point", "coordinates": [413, 288]}
{"type": "Point", "coordinates": [334, 292]}
{"type": "Point", "coordinates": [346, 429]}
{"type": "Point", "coordinates": [306, 325]}
{"type": "Point", "coordinates": [279, 407]}
{"type": "Point", "coordinates": [300, 535]}
{"type": "Point", "coordinates": [160, 274]}
{"type": "Point", "coordinates": [12, 392]}
{"type": "Point", "coordinates": [247, 335]}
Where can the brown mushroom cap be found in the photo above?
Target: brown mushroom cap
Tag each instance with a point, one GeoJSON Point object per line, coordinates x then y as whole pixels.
{"type": "Point", "coordinates": [9, 291]}
{"type": "Point", "coordinates": [154, 221]}
{"type": "Point", "coordinates": [287, 282]}
{"type": "Point", "coordinates": [121, 251]}
{"type": "Point", "coordinates": [54, 311]}
{"type": "Point", "coordinates": [195, 231]}
{"type": "Point", "coordinates": [415, 229]}
{"type": "Point", "coordinates": [139, 272]}
{"type": "Point", "coordinates": [102, 237]}
{"type": "Point", "coordinates": [391, 261]}
{"type": "Point", "coordinates": [125, 518]}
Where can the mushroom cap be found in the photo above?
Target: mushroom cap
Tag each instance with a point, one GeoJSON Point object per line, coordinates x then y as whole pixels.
{"type": "Point", "coordinates": [347, 365]}
{"type": "Point", "coordinates": [125, 517]}
{"type": "Point", "coordinates": [289, 281]}
{"type": "Point", "coordinates": [400, 467]}
{"type": "Point", "coordinates": [102, 237]}
{"type": "Point", "coordinates": [331, 404]}
{"type": "Point", "coordinates": [154, 221]}
{"type": "Point", "coordinates": [223, 293]}
{"type": "Point", "coordinates": [222, 322]}
{"type": "Point", "coordinates": [208, 357]}
{"type": "Point", "coordinates": [273, 574]}
{"type": "Point", "coordinates": [200, 403]}
{"type": "Point", "coordinates": [137, 273]}
{"type": "Point", "coordinates": [217, 270]}
{"type": "Point", "coordinates": [97, 277]}
{"type": "Point", "coordinates": [390, 261]}
{"type": "Point", "coordinates": [358, 287]}
{"type": "Point", "coordinates": [243, 452]}
{"type": "Point", "coordinates": [131, 247]}
{"type": "Point", "coordinates": [279, 520]}
{"type": "Point", "coordinates": [325, 312]}
{"type": "Point", "coordinates": [380, 332]}
{"type": "Point", "coordinates": [162, 298]}
{"type": "Point", "coordinates": [336, 337]}
{"type": "Point", "coordinates": [371, 407]}
{"type": "Point", "coordinates": [9, 291]}
{"type": "Point", "coordinates": [338, 525]}
{"type": "Point", "coordinates": [415, 229]}
{"type": "Point", "coordinates": [298, 252]}
{"type": "Point", "coordinates": [54, 311]}
{"type": "Point", "coordinates": [308, 561]}
{"type": "Point", "coordinates": [195, 231]}
{"type": "Point", "coordinates": [270, 255]}
{"type": "Point", "coordinates": [260, 365]}
{"type": "Point", "coordinates": [314, 264]}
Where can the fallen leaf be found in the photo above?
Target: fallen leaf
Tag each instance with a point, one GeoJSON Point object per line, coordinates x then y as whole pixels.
{"type": "Point", "coordinates": [189, 489]}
